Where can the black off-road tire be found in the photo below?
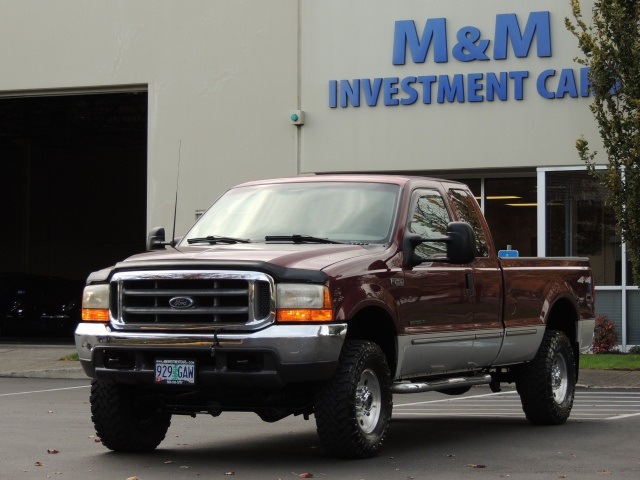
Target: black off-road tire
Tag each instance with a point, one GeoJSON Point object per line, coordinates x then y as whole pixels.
{"type": "Point", "coordinates": [123, 421]}
{"type": "Point", "coordinates": [353, 409]}
{"type": "Point", "coordinates": [547, 384]}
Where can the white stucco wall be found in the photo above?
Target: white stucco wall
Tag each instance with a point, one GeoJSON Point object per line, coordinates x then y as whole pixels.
{"type": "Point", "coordinates": [221, 76]}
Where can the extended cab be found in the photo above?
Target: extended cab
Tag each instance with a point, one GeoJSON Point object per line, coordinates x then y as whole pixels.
{"type": "Point", "coordinates": [326, 295]}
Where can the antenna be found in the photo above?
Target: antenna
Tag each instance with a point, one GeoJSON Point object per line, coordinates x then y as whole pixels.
{"type": "Point", "coordinates": [175, 206]}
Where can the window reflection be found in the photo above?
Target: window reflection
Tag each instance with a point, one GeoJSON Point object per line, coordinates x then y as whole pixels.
{"type": "Point", "coordinates": [579, 223]}
{"type": "Point", "coordinates": [429, 220]}
{"type": "Point", "coordinates": [463, 203]}
{"type": "Point", "coordinates": [341, 211]}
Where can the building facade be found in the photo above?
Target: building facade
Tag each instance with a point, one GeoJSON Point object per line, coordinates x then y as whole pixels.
{"type": "Point", "coordinates": [108, 107]}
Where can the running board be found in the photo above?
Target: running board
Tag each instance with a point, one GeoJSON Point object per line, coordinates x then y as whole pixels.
{"type": "Point", "coordinates": [443, 384]}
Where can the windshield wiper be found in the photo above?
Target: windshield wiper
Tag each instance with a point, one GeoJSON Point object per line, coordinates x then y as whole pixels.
{"type": "Point", "coordinates": [213, 239]}
{"type": "Point", "coordinates": [299, 239]}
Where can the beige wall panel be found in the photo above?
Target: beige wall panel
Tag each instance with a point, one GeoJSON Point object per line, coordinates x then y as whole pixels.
{"type": "Point", "coordinates": [354, 40]}
{"type": "Point", "coordinates": [221, 76]}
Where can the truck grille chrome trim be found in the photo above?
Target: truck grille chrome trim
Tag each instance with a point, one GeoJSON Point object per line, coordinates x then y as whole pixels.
{"type": "Point", "coordinates": [192, 300]}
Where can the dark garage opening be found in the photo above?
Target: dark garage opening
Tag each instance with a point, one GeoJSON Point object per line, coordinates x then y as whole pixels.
{"type": "Point", "coordinates": [73, 177]}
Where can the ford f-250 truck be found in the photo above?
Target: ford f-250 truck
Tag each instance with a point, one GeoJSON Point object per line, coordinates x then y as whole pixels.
{"type": "Point", "coordinates": [327, 295]}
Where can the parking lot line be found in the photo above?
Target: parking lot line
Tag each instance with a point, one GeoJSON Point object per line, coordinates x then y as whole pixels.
{"type": "Point", "coordinates": [588, 405]}
{"type": "Point", "coordinates": [42, 391]}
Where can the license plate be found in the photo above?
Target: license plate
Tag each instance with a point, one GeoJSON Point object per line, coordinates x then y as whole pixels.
{"type": "Point", "coordinates": [176, 372]}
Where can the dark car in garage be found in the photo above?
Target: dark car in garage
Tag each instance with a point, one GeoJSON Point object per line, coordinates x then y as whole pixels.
{"type": "Point", "coordinates": [39, 304]}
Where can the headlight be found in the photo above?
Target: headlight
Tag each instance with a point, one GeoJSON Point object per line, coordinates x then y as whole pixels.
{"type": "Point", "coordinates": [95, 303]}
{"type": "Point", "coordinates": [303, 303]}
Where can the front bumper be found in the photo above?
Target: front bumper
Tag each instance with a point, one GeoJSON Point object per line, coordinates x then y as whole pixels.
{"type": "Point", "coordinates": [272, 357]}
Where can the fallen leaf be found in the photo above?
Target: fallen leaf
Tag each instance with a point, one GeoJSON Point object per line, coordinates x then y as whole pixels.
{"type": "Point", "coordinates": [133, 478]}
{"type": "Point", "coordinates": [97, 440]}
{"type": "Point", "coordinates": [475, 465]}
{"type": "Point", "coordinates": [604, 472]}
{"type": "Point", "coordinates": [39, 464]}
{"type": "Point", "coordinates": [52, 451]}
{"type": "Point", "coordinates": [304, 475]}
{"type": "Point", "coordinates": [230, 473]}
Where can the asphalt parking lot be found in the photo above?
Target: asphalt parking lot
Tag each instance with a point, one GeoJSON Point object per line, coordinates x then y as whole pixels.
{"type": "Point", "coordinates": [479, 435]}
{"type": "Point", "coordinates": [45, 406]}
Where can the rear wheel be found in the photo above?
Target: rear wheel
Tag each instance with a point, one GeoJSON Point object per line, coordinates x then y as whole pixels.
{"type": "Point", "coordinates": [124, 420]}
{"type": "Point", "coordinates": [547, 384]}
{"type": "Point", "coordinates": [353, 409]}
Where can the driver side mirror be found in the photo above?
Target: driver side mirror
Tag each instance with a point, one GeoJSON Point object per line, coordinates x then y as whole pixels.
{"type": "Point", "coordinates": [460, 241]}
{"type": "Point", "coordinates": [156, 239]}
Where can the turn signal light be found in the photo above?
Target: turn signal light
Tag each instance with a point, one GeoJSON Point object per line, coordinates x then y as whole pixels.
{"type": "Point", "coordinates": [95, 315]}
{"type": "Point", "coordinates": [304, 315]}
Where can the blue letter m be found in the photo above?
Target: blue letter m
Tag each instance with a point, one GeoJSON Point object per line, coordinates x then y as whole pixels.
{"type": "Point", "coordinates": [507, 28]}
{"type": "Point", "coordinates": [406, 35]}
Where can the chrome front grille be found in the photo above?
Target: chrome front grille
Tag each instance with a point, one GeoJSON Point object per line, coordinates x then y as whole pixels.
{"type": "Point", "coordinates": [192, 300]}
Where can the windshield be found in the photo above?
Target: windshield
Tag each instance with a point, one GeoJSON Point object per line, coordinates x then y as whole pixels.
{"type": "Point", "coordinates": [339, 211]}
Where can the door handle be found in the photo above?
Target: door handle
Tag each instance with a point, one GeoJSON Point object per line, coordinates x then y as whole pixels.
{"type": "Point", "coordinates": [468, 278]}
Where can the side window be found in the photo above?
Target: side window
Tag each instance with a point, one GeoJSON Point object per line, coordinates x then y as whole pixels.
{"type": "Point", "coordinates": [464, 205]}
{"type": "Point", "coordinates": [429, 219]}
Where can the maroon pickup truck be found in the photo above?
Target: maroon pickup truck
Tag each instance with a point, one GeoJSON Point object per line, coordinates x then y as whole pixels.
{"type": "Point", "coordinates": [327, 295]}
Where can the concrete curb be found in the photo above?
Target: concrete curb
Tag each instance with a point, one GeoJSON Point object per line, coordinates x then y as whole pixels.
{"type": "Point", "coordinates": [39, 361]}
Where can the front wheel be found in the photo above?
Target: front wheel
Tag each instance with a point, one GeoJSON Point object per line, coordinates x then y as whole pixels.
{"type": "Point", "coordinates": [353, 409]}
{"type": "Point", "coordinates": [125, 420]}
{"type": "Point", "coordinates": [547, 384]}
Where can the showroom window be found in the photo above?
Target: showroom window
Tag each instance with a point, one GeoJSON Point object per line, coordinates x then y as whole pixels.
{"type": "Point", "coordinates": [509, 206]}
{"type": "Point", "coordinates": [579, 223]}
{"type": "Point", "coordinates": [510, 210]}
{"type": "Point", "coordinates": [575, 220]}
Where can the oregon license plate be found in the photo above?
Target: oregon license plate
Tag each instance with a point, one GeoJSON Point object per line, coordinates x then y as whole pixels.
{"type": "Point", "coordinates": [175, 372]}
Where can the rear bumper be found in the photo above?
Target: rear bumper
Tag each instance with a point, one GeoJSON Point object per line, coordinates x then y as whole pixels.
{"type": "Point", "coordinates": [272, 357]}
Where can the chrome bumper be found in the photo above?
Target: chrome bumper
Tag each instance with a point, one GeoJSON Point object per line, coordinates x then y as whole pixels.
{"type": "Point", "coordinates": [293, 345]}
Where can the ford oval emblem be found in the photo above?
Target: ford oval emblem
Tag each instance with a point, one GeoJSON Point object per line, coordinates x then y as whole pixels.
{"type": "Point", "coordinates": [181, 302]}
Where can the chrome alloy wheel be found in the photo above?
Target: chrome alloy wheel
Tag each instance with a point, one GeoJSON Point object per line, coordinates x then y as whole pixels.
{"type": "Point", "coordinates": [368, 401]}
{"type": "Point", "coordinates": [559, 378]}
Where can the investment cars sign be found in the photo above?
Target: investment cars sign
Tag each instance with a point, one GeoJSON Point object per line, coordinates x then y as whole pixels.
{"type": "Point", "coordinates": [429, 44]}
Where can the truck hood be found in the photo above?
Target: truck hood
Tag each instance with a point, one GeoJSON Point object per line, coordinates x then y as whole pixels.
{"type": "Point", "coordinates": [297, 256]}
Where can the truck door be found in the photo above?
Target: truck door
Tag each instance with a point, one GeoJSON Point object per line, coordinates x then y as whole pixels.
{"type": "Point", "coordinates": [434, 305]}
{"type": "Point", "coordinates": [486, 283]}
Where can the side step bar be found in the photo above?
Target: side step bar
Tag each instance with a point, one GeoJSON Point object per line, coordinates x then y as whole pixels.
{"type": "Point", "coordinates": [442, 384]}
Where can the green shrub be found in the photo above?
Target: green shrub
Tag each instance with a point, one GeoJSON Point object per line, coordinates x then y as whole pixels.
{"type": "Point", "coordinates": [635, 350]}
{"type": "Point", "coordinates": [605, 338]}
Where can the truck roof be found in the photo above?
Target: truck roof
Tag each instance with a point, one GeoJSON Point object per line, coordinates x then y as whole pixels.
{"type": "Point", "coordinates": [370, 178]}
